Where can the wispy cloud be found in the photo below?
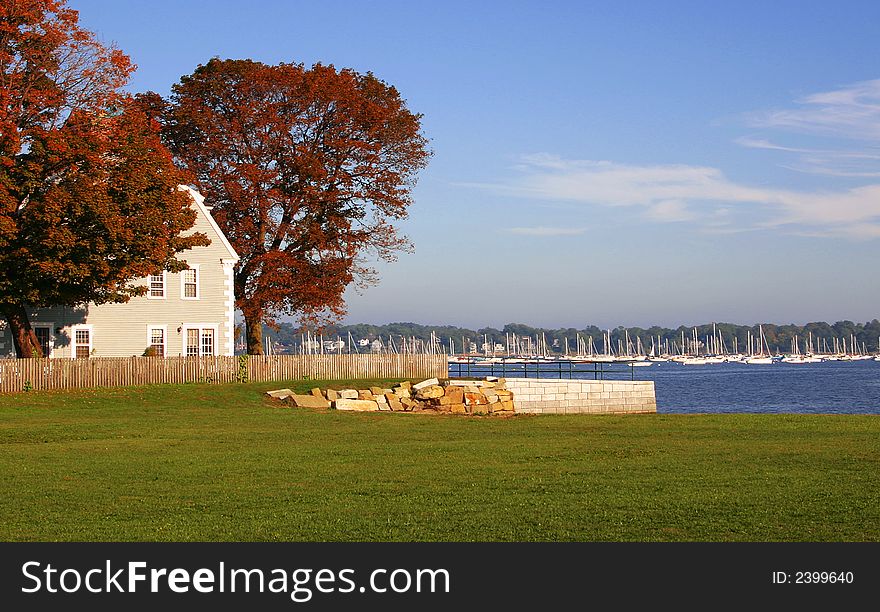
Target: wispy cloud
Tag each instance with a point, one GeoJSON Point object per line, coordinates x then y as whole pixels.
{"type": "Point", "coordinates": [838, 136]}
{"type": "Point", "coordinates": [546, 231]}
{"type": "Point", "coordinates": [696, 194]}
{"type": "Point", "coordinates": [827, 162]}
{"type": "Point", "coordinates": [849, 112]}
{"type": "Point", "coordinates": [848, 119]}
{"type": "Point", "coordinates": [669, 211]}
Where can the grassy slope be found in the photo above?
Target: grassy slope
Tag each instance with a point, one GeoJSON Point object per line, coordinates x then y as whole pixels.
{"type": "Point", "coordinates": [221, 462]}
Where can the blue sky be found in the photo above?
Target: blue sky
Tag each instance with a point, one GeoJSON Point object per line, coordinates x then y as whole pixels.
{"type": "Point", "coordinates": [608, 163]}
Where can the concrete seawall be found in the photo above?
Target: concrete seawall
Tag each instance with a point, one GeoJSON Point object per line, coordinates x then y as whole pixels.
{"type": "Point", "coordinates": [543, 396]}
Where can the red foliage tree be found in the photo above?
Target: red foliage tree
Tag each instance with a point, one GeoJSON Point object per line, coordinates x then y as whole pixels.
{"type": "Point", "coordinates": [307, 169]}
{"type": "Point", "coordinates": [88, 192]}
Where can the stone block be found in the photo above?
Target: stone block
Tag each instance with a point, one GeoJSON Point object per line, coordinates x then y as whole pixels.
{"type": "Point", "coordinates": [461, 382]}
{"type": "Point", "coordinates": [377, 391]}
{"type": "Point", "coordinates": [408, 403]}
{"type": "Point", "coordinates": [364, 394]}
{"type": "Point", "coordinates": [430, 392]}
{"type": "Point", "coordinates": [332, 394]}
{"type": "Point", "coordinates": [475, 399]}
{"type": "Point", "coordinates": [395, 404]}
{"type": "Point", "coordinates": [426, 383]}
{"type": "Point", "coordinates": [457, 408]}
{"type": "Point", "coordinates": [401, 391]}
{"type": "Point", "coordinates": [307, 401]}
{"type": "Point", "coordinates": [405, 385]}
{"type": "Point", "coordinates": [279, 393]}
{"type": "Point", "coordinates": [506, 406]}
{"type": "Point", "coordinates": [348, 394]}
{"type": "Point", "coordinates": [456, 394]}
{"type": "Point", "coordinates": [356, 405]}
{"type": "Point", "coordinates": [316, 392]}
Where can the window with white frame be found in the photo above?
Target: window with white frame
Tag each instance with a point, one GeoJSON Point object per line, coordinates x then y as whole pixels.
{"type": "Point", "coordinates": [199, 341]}
{"type": "Point", "coordinates": [157, 286]}
{"type": "Point", "coordinates": [192, 342]}
{"type": "Point", "coordinates": [207, 342]}
{"type": "Point", "coordinates": [82, 342]}
{"type": "Point", "coordinates": [156, 340]}
{"type": "Point", "coordinates": [189, 283]}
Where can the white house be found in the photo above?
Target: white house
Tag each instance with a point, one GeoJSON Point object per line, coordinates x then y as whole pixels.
{"type": "Point", "coordinates": [182, 314]}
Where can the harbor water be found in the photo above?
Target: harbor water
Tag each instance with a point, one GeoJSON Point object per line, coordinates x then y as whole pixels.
{"type": "Point", "coordinates": [828, 387]}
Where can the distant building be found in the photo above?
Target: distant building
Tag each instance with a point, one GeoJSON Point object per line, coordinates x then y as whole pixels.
{"type": "Point", "coordinates": [334, 346]}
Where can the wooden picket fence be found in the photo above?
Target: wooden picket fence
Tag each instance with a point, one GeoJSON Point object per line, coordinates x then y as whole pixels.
{"type": "Point", "coordinates": [18, 375]}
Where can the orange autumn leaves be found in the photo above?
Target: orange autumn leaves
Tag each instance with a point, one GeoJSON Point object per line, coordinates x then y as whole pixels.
{"type": "Point", "coordinates": [88, 192]}
{"type": "Point", "coordinates": [308, 169]}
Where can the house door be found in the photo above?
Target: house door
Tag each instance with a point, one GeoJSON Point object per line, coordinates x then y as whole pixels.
{"type": "Point", "coordinates": [43, 339]}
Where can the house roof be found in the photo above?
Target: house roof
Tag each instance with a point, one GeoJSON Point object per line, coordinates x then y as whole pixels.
{"type": "Point", "coordinates": [199, 200]}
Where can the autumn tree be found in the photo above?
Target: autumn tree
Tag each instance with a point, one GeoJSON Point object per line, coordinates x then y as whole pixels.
{"type": "Point", "coordinates": [308, 169]}
{"type": "Point", "coordinates": [89, 197]}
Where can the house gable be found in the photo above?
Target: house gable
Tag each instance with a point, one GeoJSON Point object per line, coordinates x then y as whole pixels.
{"type": "Point", "coordinates": [202, 299]}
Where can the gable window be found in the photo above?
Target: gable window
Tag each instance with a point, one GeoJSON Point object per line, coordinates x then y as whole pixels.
{"type": "Point", "coordinates": [189, 283]}
{"type": "Point", "coordinates": [82, 342]}
{"type": "Point", "coordinates": [157, 286]}
{"type": "Point", "coordinates": [199, 341]}
{"type": "Point", "coordinates": [156, 340]}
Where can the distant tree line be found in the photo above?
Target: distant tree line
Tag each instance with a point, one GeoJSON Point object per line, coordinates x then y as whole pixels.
{"type": "Point", "coordinates": [779, 337]}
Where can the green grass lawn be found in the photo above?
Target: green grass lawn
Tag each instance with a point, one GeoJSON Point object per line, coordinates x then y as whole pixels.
{"type": "Point", "coordinates": [224, 463]}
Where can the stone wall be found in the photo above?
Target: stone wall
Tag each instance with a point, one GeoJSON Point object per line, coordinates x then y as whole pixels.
{"type": "Point", "coordinates": [543, 396]}
{"type": "Point", "coordinates": [456, 396]}
{"type": "Point", "coordinates": [490, 395]}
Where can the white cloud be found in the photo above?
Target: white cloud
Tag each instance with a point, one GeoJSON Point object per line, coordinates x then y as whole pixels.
{"type": "Point", "coordinates": [827, 162]}
{"type": "Point", "coordinates": [670, 210]}
{"type": "Point", "coordinates": [546, 231]}
{"type": "Point", "coordinates": [843, 124]}
{"type": "Point", "coordinates": [850, 112]}
{"type": "Point", "coordinates": [761, 143]}
{"type": "Point", "coordinates": [847, 118]}
{"type": "Point", "coordinates": [698, 194]}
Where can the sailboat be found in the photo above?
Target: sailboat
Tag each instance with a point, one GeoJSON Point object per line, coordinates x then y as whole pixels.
{"type": "Point", "coordinates": [760, 358]}
{"type": "Point", "coordinates": [795, 356]}
{"type": "Point", "coordinates": [608, 356]}
{"type": "Point", "coordinates": [655, 357]}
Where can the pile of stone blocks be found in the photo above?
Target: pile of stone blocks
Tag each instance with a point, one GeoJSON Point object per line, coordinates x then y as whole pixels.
{"type": "Point", "coordinates": [459, 396]}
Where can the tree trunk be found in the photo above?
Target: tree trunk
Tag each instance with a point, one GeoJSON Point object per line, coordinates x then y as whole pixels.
{"type": "Point", "coordinates": [253, 326]}
{"type": "Point", "coordinates": [24, 339]}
